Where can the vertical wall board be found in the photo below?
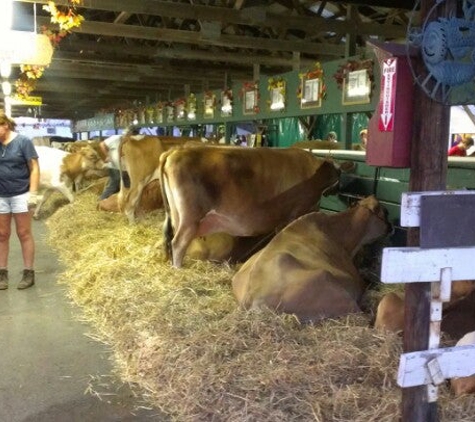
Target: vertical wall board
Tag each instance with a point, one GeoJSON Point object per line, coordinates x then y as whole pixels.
{"type": "Point", "coordinates": [447, 221]}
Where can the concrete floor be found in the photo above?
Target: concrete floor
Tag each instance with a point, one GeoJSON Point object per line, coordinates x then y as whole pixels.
{"type": "Point", "coordinates": [48, 366]}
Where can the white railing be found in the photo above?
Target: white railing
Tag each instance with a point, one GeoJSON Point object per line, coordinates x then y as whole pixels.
{"type": "Point", "coordinates": [440, 266]}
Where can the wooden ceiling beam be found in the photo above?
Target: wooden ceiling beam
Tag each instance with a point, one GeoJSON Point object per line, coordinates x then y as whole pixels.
{"type": "Point", "coordinates": [120, 71]}
{"type": "Point", "coordinates": [47, 89]}
{"type": "Point", "coordinates": [78, 46]}
{"type": "Point", "coordinates": [309, 24]}
{"type": "Point", "coordinates": [197, 38]}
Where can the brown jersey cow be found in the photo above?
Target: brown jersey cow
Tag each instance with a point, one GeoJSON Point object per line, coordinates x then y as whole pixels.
{"type": "Point", "coordinates": [239, 191]}
{"type": "Point", "coordinates": [307, 269]}
{"type": "Point", "coordinates": [140, 155]}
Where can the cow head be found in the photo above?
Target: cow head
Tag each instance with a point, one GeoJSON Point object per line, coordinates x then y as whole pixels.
{"type": "Point", "coordinates": [378, 224]}
{"type": "Point", "coordinates": [91, 158]}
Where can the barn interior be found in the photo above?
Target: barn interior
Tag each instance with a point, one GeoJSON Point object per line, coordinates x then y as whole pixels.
{"type": "Point", "coordinates": [128, 54]}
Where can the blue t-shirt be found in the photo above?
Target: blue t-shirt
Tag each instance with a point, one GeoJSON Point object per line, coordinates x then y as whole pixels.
{"type": "Point", "coordinates": [14, 169]}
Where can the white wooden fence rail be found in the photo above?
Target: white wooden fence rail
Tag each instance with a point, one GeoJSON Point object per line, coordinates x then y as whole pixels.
{"type": "Point", "coordinates": [440, 266]}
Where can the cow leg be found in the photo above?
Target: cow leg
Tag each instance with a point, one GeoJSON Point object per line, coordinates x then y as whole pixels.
{"type": "Point", "coordinates": [132, 199]}
{"type": "Point", "coordinates": [66, 191]}
{"type": "Point", "coordinates": [167, 237]}
{"type": "Point", "coordinates": [182, 239]}
{"type": "Point", "coordinates": [47, 193]}
{"type": "Point", "coordinates": [77, 184]}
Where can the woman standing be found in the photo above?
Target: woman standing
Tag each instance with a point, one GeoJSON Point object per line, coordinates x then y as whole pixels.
{"type": "Point", "coordinates": [19, 180]}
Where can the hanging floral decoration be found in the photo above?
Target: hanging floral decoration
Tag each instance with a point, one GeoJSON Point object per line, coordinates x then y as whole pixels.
{"type": "Point", "coordinates": [248, 86]}
{"type": "Point", "coordinates": [251, 86]}
{"type": "Point", "coordinates": [169, 110]}
{"type": "Point", "coordinates": [149, 114]}
{"type": "Point", "coordinates": [191, 103]}
{"type": "Point", "coordinates": [179, 102]}
{"type": "Point", "coordinates": [228, 96]}
{"type": "Point", "coordinates": [66, 18]}
{"type": "Point", "coordinates": [209, 99]}
{"type": "Point", "coordinates": [351, 66]}
{"type": "Point", "coordinates": [315, 73]}
{"type": "Point", "coordinates": [276, 83]}
{"type": "Point", "coordinates": [179, 106]}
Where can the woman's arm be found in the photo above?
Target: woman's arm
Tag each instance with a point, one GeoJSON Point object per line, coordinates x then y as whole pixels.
{"type": "Point", "coordinates": [34, 175]}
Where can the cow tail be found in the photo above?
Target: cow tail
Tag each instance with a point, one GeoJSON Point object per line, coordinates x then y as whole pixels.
{"type": "Point", "coordinates": [121, 200]}
{"type": "Point", "coordinates": [167, 224]}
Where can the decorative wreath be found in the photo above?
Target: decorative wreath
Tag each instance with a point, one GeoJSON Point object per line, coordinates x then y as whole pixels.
{"type": "Point", "coordinates": [228, 93]}
{"type": "Point", "coordinates": [276, 83]}
{"type": "Point", "coordinates": [315, 73]}
{"type": "Point", "coordinates": [209, 95]}
{"type": "Point", "coordinates": [191, 104]}
{"type": "Point", "coordinates": [351, 66]}
{"type": "Point", "coordinates": [248, 86]}
{"type": "Point", "coordinates": [251, 86]}
{"type": "Point", "coordinates": [66, 18]}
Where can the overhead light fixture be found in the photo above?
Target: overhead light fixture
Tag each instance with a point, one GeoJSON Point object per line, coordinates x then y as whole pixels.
{"type": "Point", "coordinates": [5, 69]}
{"type": "Point", "coordinates": [6, 17]}
{"type": "Point", "coordinates": [6, 88]}
{"type": "Point", "coordinates": [21, 47]}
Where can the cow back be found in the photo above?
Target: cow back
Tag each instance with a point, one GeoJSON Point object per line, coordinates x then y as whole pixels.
{"type": "Point", "coordinates": [240, 191]}
{"type": "Point", "coordinates": [50, 161]}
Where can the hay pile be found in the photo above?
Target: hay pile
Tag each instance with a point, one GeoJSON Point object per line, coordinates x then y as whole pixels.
{"type": "Point", "coordinates": [178, 338]}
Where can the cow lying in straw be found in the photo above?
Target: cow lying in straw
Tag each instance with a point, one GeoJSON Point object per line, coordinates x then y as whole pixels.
{"type": "Point", "coordinates": [307, 269]}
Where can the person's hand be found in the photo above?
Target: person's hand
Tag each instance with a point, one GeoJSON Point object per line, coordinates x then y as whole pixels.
{"type": "Point", "coordinates": [32, 200]}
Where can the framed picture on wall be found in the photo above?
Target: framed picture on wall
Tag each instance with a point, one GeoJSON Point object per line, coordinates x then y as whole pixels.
{"type": "Point", "coordinates": [226, 103]}
{"type": "Point", "coordinates": [180, 111]}
{"type": "Point", "coordinates": [311, 90]}
{"type": "Point", "coordinates": [250, 100]}
{"type": "Point", "coordinates": [356, 88]}
{"type": "Point", "coordinates": [277, 97]}
{"type": "Point", "coordinates": [209, 105]}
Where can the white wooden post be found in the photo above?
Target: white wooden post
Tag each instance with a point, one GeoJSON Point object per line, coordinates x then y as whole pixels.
{"type": "Point", "coordinates": [440, 266]}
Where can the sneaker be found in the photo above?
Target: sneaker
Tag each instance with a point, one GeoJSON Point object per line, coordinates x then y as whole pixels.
{"type": "Point", "coordinates": [27, 280]}
{"type": "Point", "coordinates": [3, 279]}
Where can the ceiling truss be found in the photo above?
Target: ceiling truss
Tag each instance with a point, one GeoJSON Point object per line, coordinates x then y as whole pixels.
{"type": "Point", "coordinates": [130, 52]}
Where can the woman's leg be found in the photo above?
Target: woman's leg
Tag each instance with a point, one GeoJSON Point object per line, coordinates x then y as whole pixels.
{"type": "Point", "coordinates": [25, 235]}
{"type": "Point", "coordinates": [113, 184]}
{"type": "Point", "coordinates": [23, 230]}
{"type": "Point", "coordinates": [5, 231]}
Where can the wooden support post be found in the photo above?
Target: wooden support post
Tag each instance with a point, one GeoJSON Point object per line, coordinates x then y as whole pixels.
{"type": "Point", "coordinates": [296, 60]}
{"type": "Point", "coordinates": [352, 17]}
{"type": "Point", "coordinates": [350, 50]}
{"type": "Point", "coordinates": [256, 71]}
{"type": "Point", "coordinates": [428, 172]}
{"type": "Point", "coordinates": [225, 85]}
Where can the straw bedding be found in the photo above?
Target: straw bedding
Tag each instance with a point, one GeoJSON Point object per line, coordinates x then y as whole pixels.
{"type": "Point", "coordinates": [179, 340]}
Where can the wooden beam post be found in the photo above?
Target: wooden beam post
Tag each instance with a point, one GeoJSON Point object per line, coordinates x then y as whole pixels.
{"type": "Point", "coordinates": [296, 61]}
{"type": "Point", "coordinates": [428, 172]}
{"type": "Point", "coordinates": [256, 71]}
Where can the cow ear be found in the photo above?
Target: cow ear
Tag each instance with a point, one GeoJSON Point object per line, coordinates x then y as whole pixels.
{"type": "Point", "coordinates": [347, 166]}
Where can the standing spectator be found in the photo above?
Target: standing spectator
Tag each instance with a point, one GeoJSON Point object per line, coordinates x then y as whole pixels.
{"type": "Point", "coordinates": [460, 150]}
{"type": "Point", "coordinates": [363, 138]}
{"type": "Point", "coordinates": [19, 182]}
{"type": "Point", "coordinates": [332, 137]}
{"type": "Point", "coordinates": [361, 146]}
{"type": "Point", "coordinates": [110, 148]}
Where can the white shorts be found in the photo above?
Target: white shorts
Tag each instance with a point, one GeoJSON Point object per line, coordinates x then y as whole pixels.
{"type": "Point", "coordinates": [14, 204]}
